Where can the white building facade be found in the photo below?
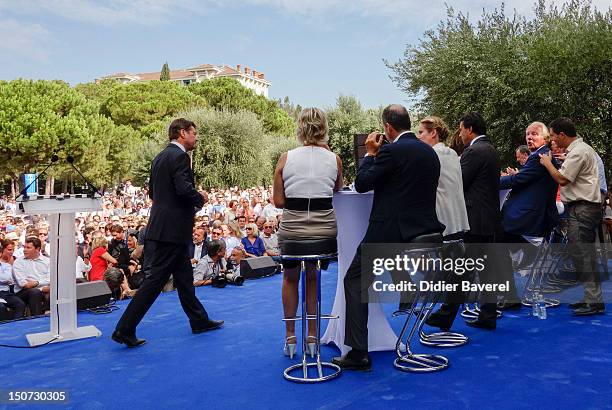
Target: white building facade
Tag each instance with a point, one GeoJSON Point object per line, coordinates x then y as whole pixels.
{"type": "Point", "coordinates": [249, 78]}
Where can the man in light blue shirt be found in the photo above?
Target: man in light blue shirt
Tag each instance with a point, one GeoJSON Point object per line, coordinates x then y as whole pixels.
{"type": "Point", "coordinates": [603, 185]}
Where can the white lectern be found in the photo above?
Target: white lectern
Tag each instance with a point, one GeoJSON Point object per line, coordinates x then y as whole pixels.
{"type": "Point", "coordinates": [352, 216]}
{"type": "Point", "coordinates": [61, 211]}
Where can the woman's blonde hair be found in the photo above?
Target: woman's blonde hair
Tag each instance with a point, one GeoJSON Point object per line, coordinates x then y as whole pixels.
{"type": "Point", "coordinates": [234, 229]}
{"type": "Point", "coordinates": [98, 242]}
{"type": "Point", "coordinates": [436, 123]}
{"type": "Point", "coordinates": [254, 228]}
{"type": "Point", "coordinates": [312, 127]}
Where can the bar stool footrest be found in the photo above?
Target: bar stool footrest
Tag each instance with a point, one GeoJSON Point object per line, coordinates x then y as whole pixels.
{"type": "Point", "coordinates": [421, 363]}
{"type": "Point", "coordinates": [309, 317]}
{"type": "Point", "coordinates": [443, 339]}
{"type": "Point", "coordinates": [320, 377]}
{"type": "Point", "coordinates": [550, 303]}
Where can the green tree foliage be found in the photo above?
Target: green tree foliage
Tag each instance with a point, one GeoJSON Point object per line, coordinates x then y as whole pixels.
{"type": "Point", "coordinates": [165, 73]}
{"type": "Point", "coordinates": [141, 104]}
{"type": "Point", "coordinates": [99, 91]}
{"type": "Point", "coordinates": [274, 146]}
{"type": "Point", "coordinates": [141, 168]}
{"type": "Point", "coordinates": [292, 110]}
{"type": "Point", "coordinates": [515, 71]}
{"type": "Point", "coordinates": [229, 150]}
{"type": "Point", "coordinates": [228, 94]}
{"type": "Point", "coordinates": [114, 130]}
{"type": "Point", "coordinates": [42, 118]}
{"type": "Point", "coordinates": [346, 119]}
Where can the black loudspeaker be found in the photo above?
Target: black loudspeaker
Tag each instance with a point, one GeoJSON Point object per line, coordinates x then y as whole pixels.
{"type": "Point", "coordinates": [253, 268]}
{"type": "Point", "coordinates": [92, 294]}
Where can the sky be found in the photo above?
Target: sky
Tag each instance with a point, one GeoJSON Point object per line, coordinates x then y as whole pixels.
{"type": "Point", "coordinates": [310, 50]}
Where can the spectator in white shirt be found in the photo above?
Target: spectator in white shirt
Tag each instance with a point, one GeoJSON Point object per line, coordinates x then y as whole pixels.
{"type": "Point", "coordinates": [270, 211]}
{"type": "Point", "coordinates": [32, 277]}
{"type": "Point", "coordinates": [6, 280]}
{"type": "Point", "coordinates": [210, 265]}
{"type": "Point", "coordinates": [82, 268]}
{"type": "Point", "coordinates": [270, 240]}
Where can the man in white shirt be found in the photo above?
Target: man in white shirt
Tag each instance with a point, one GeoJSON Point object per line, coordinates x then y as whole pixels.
{"type": "Point", "coordinates": [32, 277]}
{"type": "Point", "coordinates": [211, 265]}
{"type": "Point", "coordinates": [270, 240]}
{"type": "Point", "coordinates": [270, 211]}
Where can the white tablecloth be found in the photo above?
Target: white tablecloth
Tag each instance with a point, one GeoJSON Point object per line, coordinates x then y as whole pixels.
{"type": "Point", "coordinates": [352, 214]}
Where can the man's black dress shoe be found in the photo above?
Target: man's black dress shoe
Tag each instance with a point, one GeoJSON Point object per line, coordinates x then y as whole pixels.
{"type": "Point", "coordinates": [353, 362]}
{"type": "Point", "coordinates": [590, 309]}
{"type": "Point", "coordinates": [509, 305]}
{"type": "Point", "coordinates": [482, 324]}
{"type": "Point", "coordinates": [210, 325]}
{"type": "Point", "coordinates": [129, 341]}
{"type": "Point", "coordinates": [577, 305]}
{"type": "Point", "coordinates": [438, 320]}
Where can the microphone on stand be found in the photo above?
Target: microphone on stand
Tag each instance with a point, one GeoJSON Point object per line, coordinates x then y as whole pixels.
{"type": "Point", "coordinates": [93, 191]}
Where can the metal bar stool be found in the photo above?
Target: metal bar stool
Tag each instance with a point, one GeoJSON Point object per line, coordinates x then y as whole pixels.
{"type": "Point", "coordinates": [310, 251]}
{"type": "Point", "coordinates": [471, 310]}
{"type": "Point", "coordinates": [445, 338]}
{"type": "Point", "coordinates": [420, 362]}
{"type": "Point", "coordinates": [545, 263]}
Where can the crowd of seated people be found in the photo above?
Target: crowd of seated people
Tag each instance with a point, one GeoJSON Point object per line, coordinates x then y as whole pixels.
{"type": "Point", "coordinates": [114, 238]}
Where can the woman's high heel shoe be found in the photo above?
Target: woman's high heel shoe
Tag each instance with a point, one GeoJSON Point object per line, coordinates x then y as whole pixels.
{"type": "Point", "coordinates": [290, 346]}
{"type": "Point", "coordinates": [312, 346]}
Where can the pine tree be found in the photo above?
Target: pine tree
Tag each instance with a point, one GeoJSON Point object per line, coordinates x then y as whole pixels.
{"type": "Point", "coordinates": [165, 73]}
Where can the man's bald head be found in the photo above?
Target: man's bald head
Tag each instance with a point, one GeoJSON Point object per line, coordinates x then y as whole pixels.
{"type": "Point", "coordinates": [397, 117]}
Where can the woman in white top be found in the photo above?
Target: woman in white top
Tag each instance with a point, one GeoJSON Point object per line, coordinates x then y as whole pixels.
{"type": "Point", "coordinates": [7, 247]}
{"type": "Point", "coordinates": [304, 182]}
{"type": "Point", "coordinates": [450, 203]}
{"type": "Point", "coordinates": [231, 236]}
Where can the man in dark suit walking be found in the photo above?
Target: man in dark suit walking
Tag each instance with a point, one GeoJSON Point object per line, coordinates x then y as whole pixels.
{"type": "Point", "coordinates": [404, 176]}
{"type": "Point", "coordinates": [480, 170]}
{"type": "Point", "coordinates": [168, 234]}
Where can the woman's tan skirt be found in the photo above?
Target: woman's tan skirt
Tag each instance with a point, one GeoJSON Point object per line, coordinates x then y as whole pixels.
{"type": "Point", "coordinates": [299, 225]}
{"type": "Point", "coordinates": [296, 225]}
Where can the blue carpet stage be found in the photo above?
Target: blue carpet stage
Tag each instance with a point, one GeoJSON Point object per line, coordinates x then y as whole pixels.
{"type": "Point", "coordinates": [562, 362]}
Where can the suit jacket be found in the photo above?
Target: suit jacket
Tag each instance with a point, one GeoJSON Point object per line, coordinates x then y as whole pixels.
{"type": "Point", "coordinates": [203, 251]}
{"type": "Point", "coordinates": [175, 199]}
{"type": "Point", "coordinates": [404, 176]}
{"type": "Point", "coordinates": [480, 170]}
{"type": "Point", "coordinates": [530, 208]}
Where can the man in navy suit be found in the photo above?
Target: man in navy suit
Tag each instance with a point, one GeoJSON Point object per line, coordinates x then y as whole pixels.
{"type": "Point", "coordinates": [404, 176]}
{"type": "Point", "coordinates": [168, 235]}
{"type": "Point", "coordinates": [530, 210]}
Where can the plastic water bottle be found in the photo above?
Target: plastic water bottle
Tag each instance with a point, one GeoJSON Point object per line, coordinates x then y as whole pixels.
{"type": "Point", "coordinates": [535, 304]}
{"type": "Point", "coordinates": [541, 307]}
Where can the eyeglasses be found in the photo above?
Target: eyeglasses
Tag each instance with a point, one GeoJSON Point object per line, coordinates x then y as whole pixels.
{"type": "Point", "coordinates": [217, 233]}
{"type": "Point", "coordinates": [249, 229]}
{"type": "Point", "coordinates": [266, 227]}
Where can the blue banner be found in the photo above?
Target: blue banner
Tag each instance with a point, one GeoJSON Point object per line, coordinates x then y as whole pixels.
{"type": "Point", "coordinates": [27, 180]}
